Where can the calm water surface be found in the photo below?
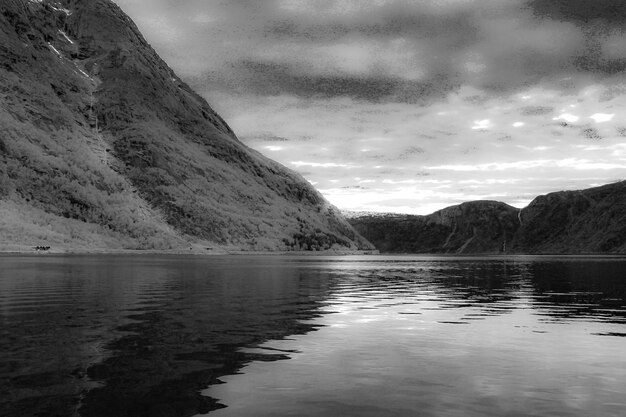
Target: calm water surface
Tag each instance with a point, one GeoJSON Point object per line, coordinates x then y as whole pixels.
{"type": "Point", "coordinates": [312, 336]}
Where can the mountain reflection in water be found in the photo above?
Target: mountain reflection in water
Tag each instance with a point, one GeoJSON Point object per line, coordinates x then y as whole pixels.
{"type": "Point", "coordinates": [144, 336]}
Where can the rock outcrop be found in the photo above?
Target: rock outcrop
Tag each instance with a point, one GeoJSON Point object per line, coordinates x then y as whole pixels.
{"type": "Point", "coordinates": [567, 222]}
{"type": "Point", "coordinates": [103, 146]}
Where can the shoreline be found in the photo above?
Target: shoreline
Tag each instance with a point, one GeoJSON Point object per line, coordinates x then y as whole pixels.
{"type": "Point", "coordinates": [31, 251]}
{"type": "Point", "coordinates": [194, 252]}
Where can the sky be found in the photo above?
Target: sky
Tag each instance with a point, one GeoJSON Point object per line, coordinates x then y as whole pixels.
{"type": "Point", "coordinates": [411, 106]}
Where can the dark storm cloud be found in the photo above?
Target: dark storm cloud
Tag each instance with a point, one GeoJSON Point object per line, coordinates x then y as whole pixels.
{"type": "Point", "coordinates": [270, 79]}
{"type": "Point", "coordinates": [593, 64]}
{"type": "Point", "coordinates": [599, 20]}
{"type": "Point", "coordinates": [584, 12]}
{"type": "Point", "coordinates": [496, 46]}
{"type": "Point", "coordinates": [392, 49]}
{"type": "Point", "coordinates": [457, 27]}
{"type": "Point", "coordinates": [536, 110]}
{"type": "Point", "coordinates": [432, 40]}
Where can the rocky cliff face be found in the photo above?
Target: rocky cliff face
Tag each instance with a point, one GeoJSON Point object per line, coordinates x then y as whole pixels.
{"type": "Point", "coordinates": [568, 222]}
{"type": "Point", "coordinates": [102, 145]}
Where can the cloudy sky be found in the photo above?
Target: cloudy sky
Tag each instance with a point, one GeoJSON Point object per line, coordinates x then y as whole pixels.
{"type": "Point", "coordinates": [411, 105]}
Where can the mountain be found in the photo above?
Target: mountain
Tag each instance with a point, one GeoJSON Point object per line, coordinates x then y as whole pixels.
{"type": "Point", "coordinates": [472, 227]}
{"type": "Point", "coordinates": [585, 221]}
{"type": "Point", "coordinates": [103, 146]}
{"type": "Point", "coordinates": [566, 222]}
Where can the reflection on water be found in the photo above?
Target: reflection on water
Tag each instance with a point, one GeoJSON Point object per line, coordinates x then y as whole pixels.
{"type": "Point", "coordinates": [376, 335]}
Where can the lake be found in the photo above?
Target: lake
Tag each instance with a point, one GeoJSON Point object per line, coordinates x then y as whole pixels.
{"type": "Point", "coordinates": [161, 335]}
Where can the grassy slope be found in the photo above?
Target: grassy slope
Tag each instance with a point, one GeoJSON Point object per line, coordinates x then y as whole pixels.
{"type": "Point", "coordinates": [53, 166]}
{"type": "Point", "coordinates": [186, 161]}
{"type": "Point", "coordinates": [103, 133]}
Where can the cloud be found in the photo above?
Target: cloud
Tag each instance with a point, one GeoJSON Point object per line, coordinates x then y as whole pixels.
{"type": "Point", "coordinates": [611, 12]}
{"type": "Point", "coordinates": [570, 163]}
{"type": "Point", "coordinates": [602, 117]}
{"type": "Point", "coordinates": [571, 118]}
{"type": "Point", "coordinates": [482, 124]}
{"type": "Point", "coordinates": [397, 105]}
{"type": "Point", "coordinates": [404, 142]}
{"type": "Point", "coordinates": [320, 164]}
{"type": "Point", "coordinates": [536, 110]}
{"type": "Point", "coordinates": [405, 51]}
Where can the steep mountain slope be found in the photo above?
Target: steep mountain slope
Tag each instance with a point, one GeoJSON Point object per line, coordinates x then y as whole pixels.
{"type": "Point", "coordinates": [585, 221]}
{"type": "Point", "coordinates": [102, 145]}
{"type": "Point", "coordinates": [473, 227]}
{"type": "Point", "coordinates": [566, 222]}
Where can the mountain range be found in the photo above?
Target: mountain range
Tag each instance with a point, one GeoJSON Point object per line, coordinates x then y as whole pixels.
{"type": "Point", "coordinates": [565, 222]}
{"type": "Point", "coordinates": [103, 146]}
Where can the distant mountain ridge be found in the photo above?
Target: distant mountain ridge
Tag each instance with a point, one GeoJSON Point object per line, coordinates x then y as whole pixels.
{"type": "Point", "coordinates": [566, 222]}
{"type": "Point", "coordinates": [349, 214]}
{"type": "Point", "coordinates": [103, 146]}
